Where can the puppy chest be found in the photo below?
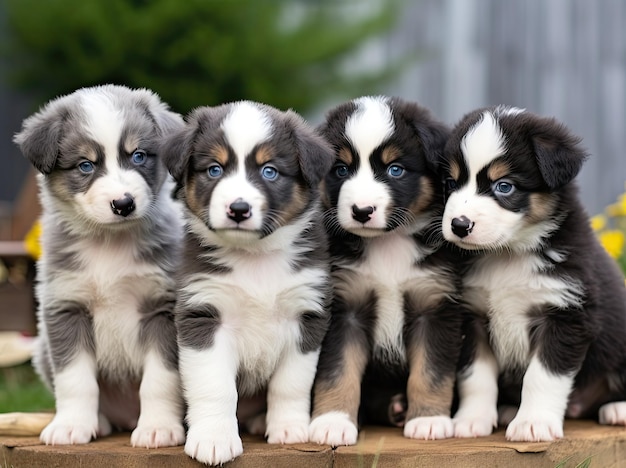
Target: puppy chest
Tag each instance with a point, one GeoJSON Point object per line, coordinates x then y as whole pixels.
{"type": "Point", "coordinates": [508, 289]}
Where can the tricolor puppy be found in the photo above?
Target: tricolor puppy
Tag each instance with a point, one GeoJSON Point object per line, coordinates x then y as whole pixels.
{"type": "Point", "coordinates": [554, 301]}
{"type": "Point", "coordinates": [394, 313]}
{"type": "Point", "coordinates": [107, 339]}
{"type": "Point", "coordinates": [254, 283]}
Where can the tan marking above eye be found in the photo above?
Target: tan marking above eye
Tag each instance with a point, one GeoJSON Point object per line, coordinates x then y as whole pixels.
{"type": "Point", "coordinates": [263, 155]}
{"type": "Point", "coordinates": [345, 156]}
{"type": "Point", "coordinates": [498, 170]}
{"type": "Point", "coordinates": [220, 154]}
{"type": "Point", "coordinates": [455, 170]}
{"type": "Point", "coordinates": [390, 154]}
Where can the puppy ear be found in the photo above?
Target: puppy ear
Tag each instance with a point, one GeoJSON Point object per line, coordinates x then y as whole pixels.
{"type": "Point", "coordinates": [314, 153]}
{"type": "Point", "coordinates": [168, 121]}
{"type": "Point", "coordinates": [40, 137]}
{"type": "Point", "coordinates": [176, 150]}
{"type": "Point", "coordinates": [557, 151]}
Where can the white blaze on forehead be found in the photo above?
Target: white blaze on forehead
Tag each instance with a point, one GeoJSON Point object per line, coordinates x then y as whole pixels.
{"type": "Point", "coordinates": [370, 125]}
{"type": "Point", "coordinates": [482, 144]}
{"type": "Point", "coordinates": [104, 123]}
{"type": "Point", "coordinates": [245, 127]}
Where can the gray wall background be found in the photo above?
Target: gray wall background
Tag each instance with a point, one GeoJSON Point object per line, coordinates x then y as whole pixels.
{"type": "Point", "coordinates": [561, 58]}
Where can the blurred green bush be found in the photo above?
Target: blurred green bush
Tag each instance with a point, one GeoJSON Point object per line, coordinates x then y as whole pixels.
{"type": "Point", "coordinates": [287, 53]}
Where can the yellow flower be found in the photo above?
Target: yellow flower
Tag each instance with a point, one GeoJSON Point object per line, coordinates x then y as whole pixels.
{"type": "Point", "coordinates": [598, 222]}
{"type": "Point", "coordinates": [613, 242]}
{"type": "Point", "coordinates": [32, 241]}
{"type": "Point", "coordinates": [614, 210]}
{"type": "Point", "coordinates": [622, 203]}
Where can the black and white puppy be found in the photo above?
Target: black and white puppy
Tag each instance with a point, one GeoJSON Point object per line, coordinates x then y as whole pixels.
{"type": "Point", "coordinates": [554, 301]}
{"type": "Point", "coordinates": [394, 311]}
{"type": "Point", "coordinates": [251, 309]}
{"type": "Point", "coordinates": [107, 339]}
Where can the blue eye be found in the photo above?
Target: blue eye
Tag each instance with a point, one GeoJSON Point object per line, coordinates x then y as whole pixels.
{"type": "Point", "coordinates": [503, 187]}
{"type": "Point", "coordinates": [395, 170]}
{"type": "Point", "coordinates": [86, 167]}
{"type": "Point", "coordinates": [215, 171]}
{"type": "Point", "coordinates": [139, 157]}
{"type": "Point", "coordinates": [450, 184]}
{"type": "Point", "coordinates": [341, 170]}
{"type": "Point", "coordinates": [269, 172]}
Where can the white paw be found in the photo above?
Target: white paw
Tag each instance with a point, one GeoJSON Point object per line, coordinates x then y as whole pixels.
{"type": "Point", "coordinates": [430, 427]}
{"type": "Point", "coordinates": [334, 428]}
{"type": "Point", "coordinates": [62, 432]}
{"type": "Point", "coordinates": [153, 437]}
{"type": "Point", "coordinates": [542, 429]}
{"type": "Point", "coordinates": [613, 413]}
{"type": "Point", "coordinates": [467, 425]}
{"type": "Point", "coordinates": [291, 432]}
{"type": "Point", "coordinates": [213, 445]}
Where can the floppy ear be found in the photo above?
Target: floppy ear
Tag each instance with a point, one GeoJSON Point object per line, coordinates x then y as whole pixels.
{"type": "Point", "coordinates": [557, 151]}
{"type": "Point", "coordinates": [41, 134]}
{"type": "Point", "coordinates": [168, 121]}
{"type": "Point", "coordinates": [175, 150]}
{"type": "Point", "coordinates": [314, 153]}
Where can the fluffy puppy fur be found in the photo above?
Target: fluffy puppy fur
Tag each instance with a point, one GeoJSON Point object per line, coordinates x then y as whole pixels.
{"type": "Point", "coordinates": [254, 283]}
{"type": "Point", "coordinates": [554, 302]}
{"type": "Point", "coordinates": [107, 340]}
{"type": "Point", "coordinates": [394, 313]}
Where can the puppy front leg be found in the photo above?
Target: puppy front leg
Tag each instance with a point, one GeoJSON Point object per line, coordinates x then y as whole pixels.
{"type": "Point", "coordinates": [72, 351]}
{"type": "Point", "coordinates": [477, 414]}
{"type": "Point", "coordinates": [209, 382]}
{"type": "Point", "coordinates": [433, 341]}
{"type": "Point", "coordinates": [337, 394]}
{"type": "Point", "coordinates": [161, 417]}
{"type": "Point", "coordinates": [542, 409]}
{"type": "Point", "coordinates": [289, 398]}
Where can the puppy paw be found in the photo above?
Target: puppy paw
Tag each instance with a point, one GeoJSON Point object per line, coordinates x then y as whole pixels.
{"type": "Point", "coordinates": [543, 429]}
{"type": "Point", "coordinates": [613, 413]}
{"type": "Point", "coordinates": [60, 432]}
{"type": "Point", "coordinates": [334, 428]}
{"type": "Point", "coordinates": [397, 410]}
{"type": "Point", "coordinates": [292, 432]}
{"type": "Point", "coordinates": [153, 437]}
{"type": "Point", "coordinates": [430, 427]}
{"type": "Point", "coordinates": [468, 425]}
{"type": "Point", "coordinates": [213, 445]}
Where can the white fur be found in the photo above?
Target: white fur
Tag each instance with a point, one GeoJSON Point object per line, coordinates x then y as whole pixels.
{"type": "Point", "coordinates": [208, 378]}
{"type": "Point", "coordinates": [507, 286]}
{"type": "Point", "coordinates": [482, 144]}
{"type": "Point", "coordinates": [288, 398]}
{"type": "Point", "coordinates": [544, 400]}
{"type": "Point", "coordinates": [477, 414]}
{"type": "Point", "coordinates": [429, 428]}
{"type": "Point", "coordinates": [370, 125]}
{"type": "Point", "coordinates": [256, 124]}
{"type": "Point", "coordinates": [613, 413]}
{"type": "Point", "coordinates": [76, 395]}
{"type": "Point", "coordinates": [160, 421]}
{"type": "Point", "coordinates": [333, 428]}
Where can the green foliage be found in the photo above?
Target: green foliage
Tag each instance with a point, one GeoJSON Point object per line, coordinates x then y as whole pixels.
{"type": "Point", "coordinates": [287, 53]}
{"type": "Point", "coordinates": [22, 390]}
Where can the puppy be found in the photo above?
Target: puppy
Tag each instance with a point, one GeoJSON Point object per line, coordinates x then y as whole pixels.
{"type": "Point", "coordinates": [107, 339]}
{"type": "Point", "coordinates": [252, 309]}
{"type": "Point", "coordinates": [394, 310]}
{"type": "Point", "coordinates": [553, 300]}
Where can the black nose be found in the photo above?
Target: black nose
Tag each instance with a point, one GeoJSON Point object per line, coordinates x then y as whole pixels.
{"type": "Point", "coordinates": [123, 206]}
{"type": "Point", "coordinates": [239, 210]}
{"type": "Point", "coordinates": [462, 226]}
{"type": "Point", "coordinates": [362, 215]}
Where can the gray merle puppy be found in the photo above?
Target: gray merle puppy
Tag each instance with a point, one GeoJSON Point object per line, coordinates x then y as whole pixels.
{"type": "Point", "coordinates": [106, 294]}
